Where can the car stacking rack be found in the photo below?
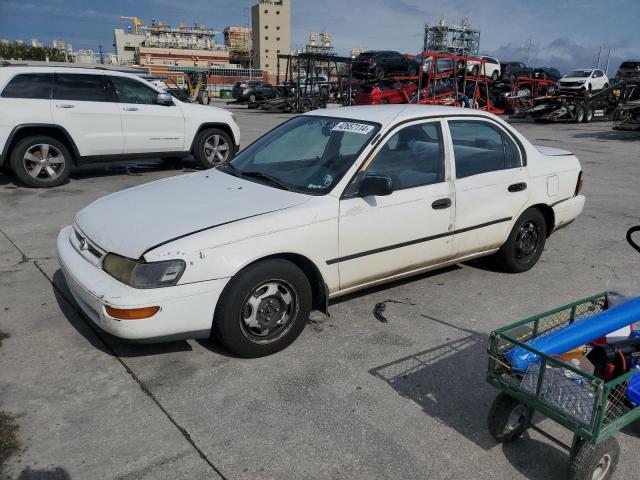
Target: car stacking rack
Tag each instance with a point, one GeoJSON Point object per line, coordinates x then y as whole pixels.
{"type": "Point", "coordinates": [592, 409]}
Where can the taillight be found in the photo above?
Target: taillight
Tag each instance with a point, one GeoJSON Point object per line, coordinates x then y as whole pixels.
{"type": "Point", "coordinates": [579, 184]}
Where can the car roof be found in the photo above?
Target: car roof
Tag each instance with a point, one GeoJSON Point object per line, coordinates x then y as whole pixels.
{"type": "Point", "coordinates": [13, 69]}
{"type": "Point", "coordinates": [385, 114]}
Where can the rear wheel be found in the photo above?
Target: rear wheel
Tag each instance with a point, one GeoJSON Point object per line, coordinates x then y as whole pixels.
{"type": "Point", "coordinates": [580, 114]}
{"type": "Point", "coordinates": [475, 70]}
{"type": "Point", "coordinates": [263, 309]}
{"type": "Point", "coordinates": [252, 98]}
{"type": "Point", "coordinates": [412, 71]}
{"type": "Point", "coordinates": [494, 75]}
{"type": "Point", "coordinates": [203, 97]}
{"type": "Point", "coordinates": [41, 161]}
{"type": "Point", "coordinates": [588, 115]}
{"type": "Point", "coordinates": [379, 73]}
{"type": "Point", "coordinates": [525, 244]}
{"type": "Point", "coordinates": [507, 419]}
{"type": "Point", "coordinates": [384, 101]}
{"type": "Point", "coordinates": [213, 147]}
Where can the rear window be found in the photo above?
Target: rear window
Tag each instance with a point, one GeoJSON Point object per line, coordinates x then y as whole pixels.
{"type": "Point", "coordinates": [81, 87]}
{"type": "Point", "coordinates": [29, 85]}
{"type": "Point", "coordinates": [630, 65]}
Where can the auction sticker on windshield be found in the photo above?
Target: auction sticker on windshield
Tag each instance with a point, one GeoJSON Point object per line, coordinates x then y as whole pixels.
{"type": "Point", "coordinates": [352, 127]}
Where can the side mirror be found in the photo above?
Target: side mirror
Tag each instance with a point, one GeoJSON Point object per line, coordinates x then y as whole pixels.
{"type": "Point", "coordinates": [164, 99]}
{"type": "Point", "coordinates": [373, 184]}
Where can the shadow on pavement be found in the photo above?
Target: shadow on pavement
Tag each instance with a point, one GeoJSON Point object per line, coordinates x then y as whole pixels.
{"type": "Point", "coordinates": [537, 460]}
{"type": "Point", "coordinates": [610, 135]}
{"type": "Point", "coordinates": [100, 339]}
{"type": "Point", "coordinates": [55, 474]}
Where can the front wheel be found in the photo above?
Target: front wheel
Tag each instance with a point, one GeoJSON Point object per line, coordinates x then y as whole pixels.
{"type": "Point", "coordinates": [594, 462]}
{"type": "Point", "coordinates": [508, 419]}
{"type": "Point", "coordinates": [263, 309]}
{"type": "Point", "coordinates": [41, 161]}
{"type": "Point", "coordinates": [213, 147]}
{"type": "Point", "coordinates": [525, 244]}
{"type": "Point", "coordinates": [494, 75]}
{"type": "Point", "coordinates": [379, 73]}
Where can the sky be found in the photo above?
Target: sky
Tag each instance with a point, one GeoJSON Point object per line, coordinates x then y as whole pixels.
{"type": "Point", "coordinates": [562, 33]}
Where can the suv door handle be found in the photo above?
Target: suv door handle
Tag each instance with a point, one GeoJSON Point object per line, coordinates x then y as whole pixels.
{"type": "Point", "coordinates": [441, 204]}
{"type": "Point", "coordinates": [64, 105]}
{"type": "Point", "coordinates": [130, 109]}
{"type": "Point", "coordinates": [517, 187]}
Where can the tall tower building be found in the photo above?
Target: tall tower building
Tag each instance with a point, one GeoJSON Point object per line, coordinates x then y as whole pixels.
{"type": "Point", "coordinates": [271, 32]}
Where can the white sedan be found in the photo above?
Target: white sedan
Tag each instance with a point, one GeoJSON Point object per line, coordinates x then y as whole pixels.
{"type": "Point", "coordinates": [327, 203]}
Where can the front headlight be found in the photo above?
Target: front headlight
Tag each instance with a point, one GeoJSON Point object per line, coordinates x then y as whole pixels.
{"type": "Point", "coordinates": [143, 275]}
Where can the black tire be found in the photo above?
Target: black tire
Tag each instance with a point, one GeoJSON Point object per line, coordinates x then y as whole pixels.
{"type": "Point", "coordinates": [594, 461]}
{"type": "Point", "coordinates": [589, 87]}
{"type": "Point", "coordinates": [50, 174]}
{"type": "Point", "coordinates": [544, 75]}
{"type": "Point", "coordinates": [525, 244]}
{"type": "Point", "coordinates": [229, 324]}
{"type": "Point", "coordinates": [384, 101]}
{"type": "Point", "coordinates": [204, 148]}
{"type": "Point", "coordinates": [305, 106]}
{"type": "Point", "coordinates": [580, 114]}
{"type": "Point", "coordinates": [588, 115]}
{"type": "Point", "coordinates": [203, 97]}
{"type": "Point", "coordinates": [605, 86]}
{"type": "Point", "coordinates": [529, 74]}
{"type": "Point", "coordinates": [494, 75]}
{"type": "Point", "coordinates": [252, 98]}
{"type": "Point", "coordinates": [512, 78]}
{"type": "Point", "coordinates": [379, 73]}
{"type": "Point", "coordinates": [507, 419]}
{"type": "Point", "coordinates": [475, 70]}
{"type": "Point", "coordinates": [412, 71]}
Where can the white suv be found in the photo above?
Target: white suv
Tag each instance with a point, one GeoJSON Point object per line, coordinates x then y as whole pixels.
{"type": "Point", "coordinates": [54, 118]}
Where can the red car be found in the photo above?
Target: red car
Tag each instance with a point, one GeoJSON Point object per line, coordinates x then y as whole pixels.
{"type": "Point", "coordinates": [385, 92]}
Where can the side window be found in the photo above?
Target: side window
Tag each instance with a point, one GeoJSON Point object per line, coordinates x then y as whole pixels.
{"type": "Point", "coordinates": [29, 85]}
{"type": "Point", "coordinates": [479, 147]}
{"type": "Point", "coordinates": [129, 90]}
{"type": "Point", "coordinates": [75, 86]}
{"type": "Point", "coordinates": [413, 157]}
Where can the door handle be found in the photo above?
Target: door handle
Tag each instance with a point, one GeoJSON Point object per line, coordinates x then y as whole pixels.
{"type": "Point", "coordinates": [130, 109]}
{"type": "Point", "coordinates": [517, 187]}
{"type": "Point", "coordinates": [64, 105]}
{"type": "Point", "coordinates": [441, 204]}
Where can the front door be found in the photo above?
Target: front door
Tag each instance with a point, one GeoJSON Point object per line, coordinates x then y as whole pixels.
{"type": "Point", "coordinates": [490, 184]}
{"type": "Point", "coordinates": [384, 236]}
{"type": "Point", "coordinates": [147, 126]}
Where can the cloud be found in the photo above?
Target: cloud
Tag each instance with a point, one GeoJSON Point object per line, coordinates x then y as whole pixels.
{"type": "Point", "coordinates": [563, 53]}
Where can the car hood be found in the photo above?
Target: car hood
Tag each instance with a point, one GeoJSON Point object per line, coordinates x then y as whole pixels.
{"type": "Point", "coordinates": [552, 152]}
{"type": "Point", "coordinates": [136, 220]}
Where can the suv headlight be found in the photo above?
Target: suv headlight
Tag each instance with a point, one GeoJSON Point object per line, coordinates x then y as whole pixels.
{"type": "Point", "coordinates": [138, 274]}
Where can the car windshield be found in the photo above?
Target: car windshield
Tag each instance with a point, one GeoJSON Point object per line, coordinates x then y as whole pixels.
{"type": "Point", "coordinates": [579, 74]}
{"type": "Point", "coordinates": [308, 154]}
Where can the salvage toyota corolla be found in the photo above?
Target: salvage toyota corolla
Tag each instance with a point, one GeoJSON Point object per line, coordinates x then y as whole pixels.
{"type": "Point", "coordinates": [325, 204]}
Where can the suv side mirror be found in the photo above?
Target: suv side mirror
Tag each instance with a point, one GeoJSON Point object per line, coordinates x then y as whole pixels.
{"type": "Point", "coordinates": [373, 184]}
{"type": "Point", "coordinates": [164, 99]}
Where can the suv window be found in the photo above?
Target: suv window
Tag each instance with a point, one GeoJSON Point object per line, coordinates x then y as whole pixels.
{"type": "Point", "coordinates": [129, 90]}
{"type": "Point", "coordinates": [29, 85]}
{"type": "Point", "coordinates": [82, 87]}
{"type": "Point", "coordinates": [413, 157]}
{"type": "Point", "coordinates": [479, 147]}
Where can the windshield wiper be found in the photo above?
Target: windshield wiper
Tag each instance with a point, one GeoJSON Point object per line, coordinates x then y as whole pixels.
{"type": "Point", "coordinates": [227, 167]}
{"type": "Point", "coordinates": [272, 180]}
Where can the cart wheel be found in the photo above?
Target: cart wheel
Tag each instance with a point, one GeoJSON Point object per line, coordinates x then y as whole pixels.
{"type": "Point", "coordinates": [507, 418]}
{"type": "Point", "coordinates": [594, 462]}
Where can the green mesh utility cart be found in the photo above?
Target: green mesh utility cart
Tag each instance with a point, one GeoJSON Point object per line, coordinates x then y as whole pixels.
{"type": "Point", "coordinates": [592, 409]}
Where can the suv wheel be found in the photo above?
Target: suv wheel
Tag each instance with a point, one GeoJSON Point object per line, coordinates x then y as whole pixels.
{"type": "Point", "coordinates": [213, 147]}
{"type": "Point", "coordinates": [41, 161]}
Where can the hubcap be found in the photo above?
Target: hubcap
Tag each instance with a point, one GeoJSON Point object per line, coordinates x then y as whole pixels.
{"type": "Point", "coordinates": [527, 240]}
{"type": "Point", "coordinates": [603, 468]}
{"type": "Point", "coordinates": [43, 161]}
{"type": "Point", "coordinates": [516, 417]}
{"type": "Point", "coordinates": [216, 149]}
{"type": "Point", "coordinates": [268, 311]}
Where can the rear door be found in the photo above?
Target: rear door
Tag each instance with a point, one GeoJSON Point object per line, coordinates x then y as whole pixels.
{"type": "Point", "coordinates": [82, 104]}
{"type": "Point", "coordinates": [147, 126]}
{"type": "Point", "coordinates": [490, 184]}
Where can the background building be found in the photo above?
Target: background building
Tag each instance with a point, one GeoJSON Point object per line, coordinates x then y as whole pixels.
{"type": "Point", "coordinates": [271, 32]}
{"type": "Point", "coordinates": [238, 40]}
